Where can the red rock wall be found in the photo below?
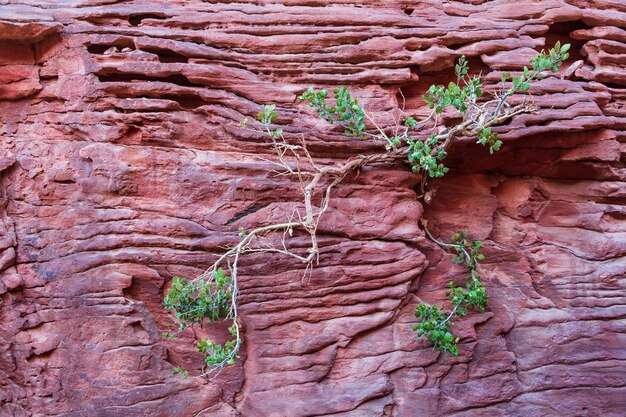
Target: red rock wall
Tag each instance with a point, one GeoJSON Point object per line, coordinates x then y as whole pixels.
{"type": "Point", "coordinates": [122, 165]}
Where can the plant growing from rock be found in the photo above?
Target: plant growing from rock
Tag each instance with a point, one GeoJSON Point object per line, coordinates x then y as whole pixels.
{"type": "Point", "coordinates": [424, 145]}
{"type": "Point", "coordinates": [435, 322]}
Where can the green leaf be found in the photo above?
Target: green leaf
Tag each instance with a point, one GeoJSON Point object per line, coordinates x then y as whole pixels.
{"type": "Point", "coordinates": [410, 122]}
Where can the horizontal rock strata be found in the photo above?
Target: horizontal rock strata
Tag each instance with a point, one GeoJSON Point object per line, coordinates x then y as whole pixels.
{"type": "Point", "coordinates": [122, 164]}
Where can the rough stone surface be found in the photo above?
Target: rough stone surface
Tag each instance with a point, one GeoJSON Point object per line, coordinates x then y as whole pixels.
{"type": "Point", "coordinates": [121, 165]}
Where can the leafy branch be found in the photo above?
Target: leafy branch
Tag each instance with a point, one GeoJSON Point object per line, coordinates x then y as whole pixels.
{"type": "Point", "coordinates": [213, 294]}
{"type": "Point", "coordinates": [435, 322]}
{"type": "Point", "coordinates": [425, 144]}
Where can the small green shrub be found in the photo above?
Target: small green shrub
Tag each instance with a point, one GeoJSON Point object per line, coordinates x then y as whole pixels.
{"type": "Point", "coordinates": [213, 295]}
{"type": "Point", "coordinates": [435, 322]}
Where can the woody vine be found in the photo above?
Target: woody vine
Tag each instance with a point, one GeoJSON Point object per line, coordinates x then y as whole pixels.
{"type": "Point", "coordinates": [212, 296]}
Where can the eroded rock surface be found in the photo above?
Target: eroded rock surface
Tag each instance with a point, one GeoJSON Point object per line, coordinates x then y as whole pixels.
{"type": "Point", "coordinates": [122, 165]}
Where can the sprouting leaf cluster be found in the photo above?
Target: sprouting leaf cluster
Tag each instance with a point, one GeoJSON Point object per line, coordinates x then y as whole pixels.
{"type": "Point", "coordinates": [488, 137]}
{"type": "Point", "coordinates": [462, 247]}
{"type": "Point", "coordinates": [194, 301]}
{"type": "Point", "coordinates": [552, 60]}
{"type": "Point", "coordinates": [543, 62]}
{"type": "Point", "coordinates": [436, 322]}
{"type": "Point", "coordinates": [458, 95]}
{"type": "Point", "coordinates": [474, 294]}
{"type": "Point", "coordinates": [434, 326]}
{"type": "Point", "coordinates": [180, 371]}
{"type": "Point", "coordinates": [267, 117]}
{"type": "Point", "coordinates": [216, 354]}
{"type": "Point", "coordinates": [346, 111]}
{"type": "Point", "coordinates": [426, 156]}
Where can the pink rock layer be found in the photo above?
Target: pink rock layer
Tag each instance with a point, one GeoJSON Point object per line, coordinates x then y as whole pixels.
{"type": "Point", "coordinates": [122, 165]}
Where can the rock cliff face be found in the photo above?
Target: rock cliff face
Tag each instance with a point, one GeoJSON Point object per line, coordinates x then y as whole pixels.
{"type": "Point", "coordinates": [122, 165]}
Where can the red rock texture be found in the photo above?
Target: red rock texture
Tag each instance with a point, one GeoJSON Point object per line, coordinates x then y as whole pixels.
{"type": "Point", "coordinates": [121, 165]}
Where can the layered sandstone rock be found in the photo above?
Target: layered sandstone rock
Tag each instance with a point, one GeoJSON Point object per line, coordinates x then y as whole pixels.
{"type": "Point", "coordinates": [122, 165]}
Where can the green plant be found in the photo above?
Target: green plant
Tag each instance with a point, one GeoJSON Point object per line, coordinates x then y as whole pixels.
{"type": "Point", "coordinates": [345, 112]}
{"type": "Point", "coordinates": [213, 295]}
{"type": "Point", "coordinates": [195, 301]}
{"type": "Point", "coordinates": [435, 322]}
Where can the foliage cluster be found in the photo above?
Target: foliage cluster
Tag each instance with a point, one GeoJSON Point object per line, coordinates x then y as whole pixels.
{"type": "Point", "coordinates": [195, 301]}
{"type": "Point", "coordinates": [435, 322]}
{"type": "Point", "coordinates": [346, 111]}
